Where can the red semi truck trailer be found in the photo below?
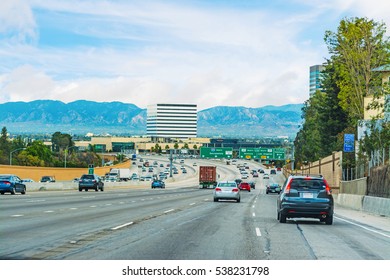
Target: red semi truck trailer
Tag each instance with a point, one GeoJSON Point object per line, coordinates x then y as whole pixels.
{"type": "Point", "coordinates": [207, 176]}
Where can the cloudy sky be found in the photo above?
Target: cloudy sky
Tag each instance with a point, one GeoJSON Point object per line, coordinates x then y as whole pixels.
{"type": "Point", "coordinates": [248, 53]}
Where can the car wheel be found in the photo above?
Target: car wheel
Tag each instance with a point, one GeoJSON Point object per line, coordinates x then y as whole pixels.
{"type": "Point", "coordinates": [102, 189]}
{"type": "Point", "coordinates": [96, 188]}
{"type": "Point", "coordinates": [80, 189]}
{"type": "Point", "coordinates": [215, 199]}
{"type": "Point", "coordinates": [23, 191]}
{"type": "Point", "coordinates": [2, 193]}
{"type": "Point", "coordinates": [238, 200]}
{"type": "Point", "coordinates": [329, 220]}
{"type": "Point", "coordinates": [282, 218]}
{"type": "Point", "coordinates": [86, 190]}
{"type": "Point", "coordinates": [13, 190]}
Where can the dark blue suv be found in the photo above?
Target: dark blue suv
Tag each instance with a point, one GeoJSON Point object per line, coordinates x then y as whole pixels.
{"type": "Point", "coordinates": [305, 197]}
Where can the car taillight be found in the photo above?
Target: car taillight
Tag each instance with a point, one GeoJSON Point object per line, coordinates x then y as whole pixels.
{"type": "Point", "coordinates": [235, 190]}
{"type": "Point", "coordinates": [288, 187]}
{"type": "Point", "coordinates": [94, 181]}
{"type": "Point", "coordinates": [327, 188]}
{"type": "Point", "coordinates": [218, 189]}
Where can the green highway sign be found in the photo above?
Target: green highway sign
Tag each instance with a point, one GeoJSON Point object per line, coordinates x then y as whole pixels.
{"type": "Point", "coordinates": [262, 153]}
{"type": "Point", "coordinates": [208, 152]}
{"type": "Point", "coordinates": [279, 154]}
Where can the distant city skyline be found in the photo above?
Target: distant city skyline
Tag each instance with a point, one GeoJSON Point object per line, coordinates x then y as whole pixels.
{"type": "Point", "coordinates": [211, 53]}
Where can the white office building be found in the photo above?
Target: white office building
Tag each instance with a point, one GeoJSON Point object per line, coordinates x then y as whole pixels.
{"type": "Point", "coordinates": [172, 121]}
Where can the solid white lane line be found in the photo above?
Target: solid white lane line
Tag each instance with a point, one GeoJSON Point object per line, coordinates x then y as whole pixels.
{"type": "Point", "coordinates": [121, 226]}
{"type": "Point", "coordinates": [49, 211]}
{"type": "Point", "coordinates": [363, 227]}
{"type": "Point", "coordinates": [258, 233]}
{"type": "Point", "coordinates": [18, 215]}
{"type": "Point", "coordinates": [192, 203]}
{"type": "Point", "coordinates": [170, 210]}
{"type": "Point", "coordinates": [73, 208]}
{"type": "Point", "coordinates": [253, 214]}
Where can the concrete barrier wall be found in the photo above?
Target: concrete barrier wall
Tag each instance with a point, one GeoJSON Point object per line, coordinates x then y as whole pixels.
{"type": "Point", "coordinates": [370, 204]}
{"type": "Point", "coordinates": [358, 186]}
{"type": "Point", "coordinates": [377, 205]}
{"type": "Point", "coordinates": [351, 201]}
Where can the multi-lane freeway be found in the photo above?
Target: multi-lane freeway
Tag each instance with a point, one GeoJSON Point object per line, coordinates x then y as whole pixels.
{"type": "Point", "coordinates": [179, 222]}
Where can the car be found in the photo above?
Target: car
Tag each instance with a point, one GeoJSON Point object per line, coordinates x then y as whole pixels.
{"type": "Point", "coordinates": [278, 169]}
{"type": "Point", "coordinates": [307, 196]}
{"type": "Point", "coordinates": [194, 164]}
{"type": "Point", "coordinates": [255, 174]}
{"type": "Point", "coordinates": [238, 181]}
{"type": "Point", "coordinates": [184, 171]}
{"type": "Point", "coordinates": [245, 186]}
{"type": "Point", "coordinates": [273, 188]}
{"type": "Point", "coordinates": [10, 183]}
{"type": "Point", "coordinates": [261, 171]}
{"type": "Point", "coordinates": [265, 176]}
{"type": "Point", "coordinates": [226, 190]}
{"type": "Point", "coordinates": [244, 176]}
{"type": "Point", "coordinates": [272, 172]}
{"type": "Point", "coordinates": [252, 184]}
{"type": "Point", "coordinates": [148, 178]}
{"type": "Point", "coordinates": [158, 184]}
{"type": "Point", "coordinates": [47, 179]}
{"type": "Point", "coordinates": [90, 181]}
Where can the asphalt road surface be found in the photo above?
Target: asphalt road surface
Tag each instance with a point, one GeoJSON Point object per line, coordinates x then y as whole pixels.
{"type": "Point", "coordinates": [180, 222]}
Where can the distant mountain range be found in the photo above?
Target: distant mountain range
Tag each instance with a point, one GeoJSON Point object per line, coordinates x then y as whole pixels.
{"type": "Point", "coordinates": [117, 118]}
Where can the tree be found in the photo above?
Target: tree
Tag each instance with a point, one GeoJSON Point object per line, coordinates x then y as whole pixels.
{"type": "Point", "coordinates": [157, 148]}
{"type": "Point", "coordinates": [36, 154]}
{"type": "Point", "coordinates": [4, 146]}
{"type": "Point", "coordinates": [358, 46]}
{"type": "Point", "coordinates": [61, 141]}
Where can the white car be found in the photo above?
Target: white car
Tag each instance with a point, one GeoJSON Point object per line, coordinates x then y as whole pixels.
{"type": "Point", "coordinates": [265, 176]}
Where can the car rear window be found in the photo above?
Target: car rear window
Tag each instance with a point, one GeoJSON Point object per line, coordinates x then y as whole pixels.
{"type": "Point", "coordinates": [91, 177]}
{"type": "Point", "coordinates": [307, 184]}
{"type": "Point", "coordinates": [227, 185]}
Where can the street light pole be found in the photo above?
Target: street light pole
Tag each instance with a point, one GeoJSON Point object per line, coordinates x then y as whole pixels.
{"type": "Point", "coordinates": [65, 154]}
{"type": "Point", "coordinates": [10, 154]}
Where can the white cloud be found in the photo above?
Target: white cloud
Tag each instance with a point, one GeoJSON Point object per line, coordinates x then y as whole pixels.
{"type": "Point", "coordinates": [16, 18]}
{"type": "Point", "coordinates": [151, 51]}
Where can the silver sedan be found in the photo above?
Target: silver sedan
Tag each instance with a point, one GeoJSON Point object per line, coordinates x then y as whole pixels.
{"type": "Point", "coordinates": [227, 190]}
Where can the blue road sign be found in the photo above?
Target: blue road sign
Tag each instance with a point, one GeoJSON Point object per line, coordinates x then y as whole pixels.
{"type": "Point", "coordinates": [349, 143]}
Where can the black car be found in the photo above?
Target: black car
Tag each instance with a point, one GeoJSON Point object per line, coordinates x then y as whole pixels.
{"type": "Point", "coordinates": [252, 184]}
{"type": "Point", "coordinates": [305, 197]}
{"type": "Point", "coordinates": [48, 179]}
{"type": "Point", "coordinates": [273, 188]}
{"type": "Point", "coordinates": [158, 184]}
{"type": "Point", "coordinates": [91, 181]}
{"type": "Point", "coordinates": [12, 184]}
